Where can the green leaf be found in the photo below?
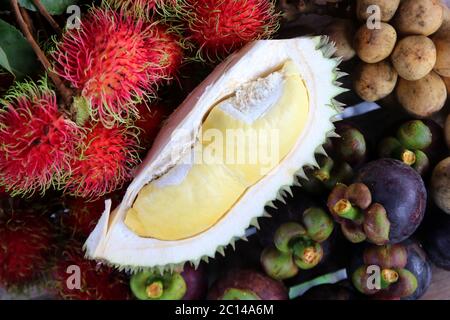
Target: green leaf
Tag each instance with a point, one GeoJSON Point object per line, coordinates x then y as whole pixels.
{"type": "Point", "coordinates": [54, 7]}
{"type": "Point", "coordinates": [16, 54]}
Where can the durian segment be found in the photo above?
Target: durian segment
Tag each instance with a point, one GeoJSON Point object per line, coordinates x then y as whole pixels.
{"type": "Point", "coordinates": [253, 131]}
{"type": "Point", "coordinates": [114, 243]}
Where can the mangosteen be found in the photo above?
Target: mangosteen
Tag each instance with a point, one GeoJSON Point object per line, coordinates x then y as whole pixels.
{"type": "Point", "coordinates": [385, 205]}
{"type": "Point", "coordinates": [440, 185]}
{"type": "Point", "coordinates": [247, 284]}
{"type": "Point", "coordinates": [339, 291]}
{"type": "Point", "coordinates": [351, 146]}
{"type": "Point", "coordinates": [437, 241]}
{"type": "Point", "coordinates": [295, 238]}
{"type": "Point", "coordinates": [190, 284]}
{"type": "Point", "coordinates": [420, 266]}
{"type": "Point", "coordinates": [398, 271]}
{"type": "Point", "coordinates": [417, 143]}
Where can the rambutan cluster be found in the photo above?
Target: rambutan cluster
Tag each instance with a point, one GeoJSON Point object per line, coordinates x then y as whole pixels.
{"type": "Point", "coordinates": [96, 282]}
{"type": "Point", "coordinates": [105, 161]}
{"type": "Point", "coordinates": [218, 27]}
{"type": "Point", "coordinates": [26, 245]}
{"type": "Point", "coordinates": [37, 142]}
{"type": "Point", "coordinates": [115, 60]}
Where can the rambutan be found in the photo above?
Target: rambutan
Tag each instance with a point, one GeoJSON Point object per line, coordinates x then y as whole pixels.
{"type": "Point", "coordinates": [37, 142]}
{"type": "Point", "coordinates": [114, 60]}
{"type": "Point", "coordinates": [105, 162]}
{"type": "Point", "coordinates": [140, 8]}
{"type": "Point", "coordinates": [26, 245]}
{"type": "Point", "coordinates": [150, 122]}
{"type": "Point", "coordinates": [96, 282]}
{"type": "Point", "coordinates": [219, 27]}
{"type": "Point", "coordinates": [82, 216]}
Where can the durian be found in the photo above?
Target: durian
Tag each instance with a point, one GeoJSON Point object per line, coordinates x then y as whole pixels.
{"type": "Point", "coordinates": [189, 200]}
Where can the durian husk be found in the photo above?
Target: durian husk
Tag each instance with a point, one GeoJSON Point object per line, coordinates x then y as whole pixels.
{"type": "Point", "coordinates": [113, 243]}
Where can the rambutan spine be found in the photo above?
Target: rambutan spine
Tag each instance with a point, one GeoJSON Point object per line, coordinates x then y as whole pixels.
{"type": "Point", "coordinates": [37, 142]}
{"type": "Point", "coordinates": [218, 27]}
{"type": "Point", "coordinates": [140, 8]}
{"type": "Point", "coordinates": [115, 61]}
{"type": "Point", "coordinates": [105, 161]}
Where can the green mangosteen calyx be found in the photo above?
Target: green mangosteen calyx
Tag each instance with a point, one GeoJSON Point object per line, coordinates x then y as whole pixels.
{"type": "Point", "coordinates": [360, 218]}
{"type": "Point", "coordinates": [297, 245]}
{"type": "Point", "coordinates": [148, 285]}
{"type": "Point", "coordinates": [412, 138]}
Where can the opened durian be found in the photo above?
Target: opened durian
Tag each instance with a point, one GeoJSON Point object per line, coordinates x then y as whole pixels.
{"type": "Point", "coordinates": [235, 144]}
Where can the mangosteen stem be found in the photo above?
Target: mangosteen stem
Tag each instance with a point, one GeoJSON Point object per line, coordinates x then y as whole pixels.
{"type": "Point", "coordinates": [155, 290]}
{"type": "Point", "coordinates": [47, 16]}
{"type": "Point", "coordinates": [408, 157]}
{"type": "Point", "coordinates": [324, 172]}
{"type": "Point", "coordinates": [346, 210]}
{"type": "Point", "coordinates": [65, 92]}
{"type": "Point", "coordinates": [388, 277]}
{"type": "Point", "coordinates": [307, 254]}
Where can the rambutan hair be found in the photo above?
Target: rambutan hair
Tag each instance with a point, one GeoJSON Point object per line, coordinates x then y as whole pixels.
{"type": "Point", "coordinates": [114, 61]}
{"type": "Point", "coordinates": [26, 246]}
{"type": "Point", "coordinates": [218, 27]}
{"type": "Point", "coordinates": [97, 282]}
{"type": "Point", "coordinates": [106, 159]}
{"type": "Point", "coordinates": [37, 142]}
{"type": "Point", "coordinates": [140, 8]}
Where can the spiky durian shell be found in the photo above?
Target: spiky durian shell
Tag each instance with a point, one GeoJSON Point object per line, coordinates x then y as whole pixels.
{"type": "Point", "coordinates": [319, 71]}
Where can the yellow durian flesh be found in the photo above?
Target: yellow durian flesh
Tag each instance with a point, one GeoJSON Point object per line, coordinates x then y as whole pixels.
{"type": "Point", "coordinates": [198, 195]}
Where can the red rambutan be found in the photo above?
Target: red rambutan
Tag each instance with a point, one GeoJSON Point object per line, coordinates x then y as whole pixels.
{"type": "Point", "coordinates": [140, 8]}
{"type": "Point", "coordinates": [114, 60]}
{"type": "Point", "coordinates": [26, 243]}
{"type": "Point", "coordinates": [37, 142]}
{"type": "Point", "coordinates": [82, 216]}
{"type": "Point", "coordinates": [218, 27]}
{"type": "Point", "coordinates": [107, 157]}
{"type": "Point", "coordinates": [150, 122]}
{"type": "Point", "coordinates": [95, 282]}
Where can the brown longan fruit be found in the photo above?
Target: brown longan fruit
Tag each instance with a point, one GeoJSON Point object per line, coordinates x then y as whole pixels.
{"type": "Point", "coordinates": [414, 57]}
{"type": "Point", "coordinates": [375, 81]}
{"type": "Point", "coordinates": [387, 8]}
{"type": "Point", "coordinates": [375, 45]}
{"type": "Point", "coordinates": [442, 43]}
{"type": "Point", "coordinates": [424, 97]}
{"type": "Point", "coordinates": [341, 32]}
{"type": "Point", "coordinates": [419, 17]}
